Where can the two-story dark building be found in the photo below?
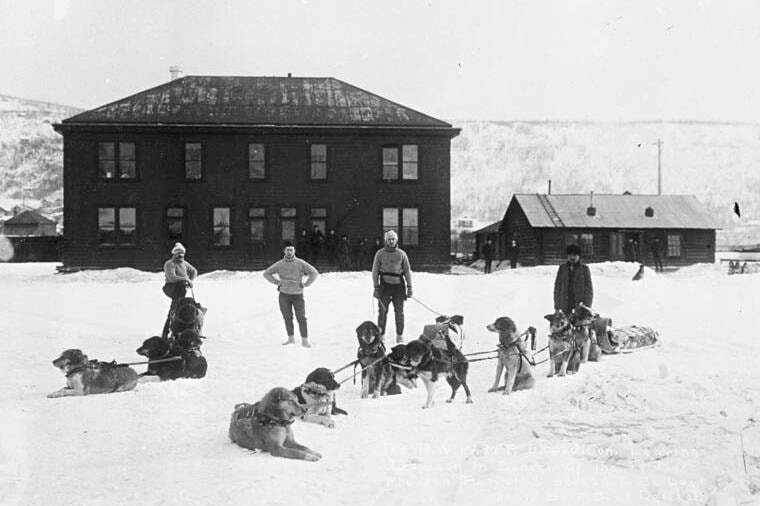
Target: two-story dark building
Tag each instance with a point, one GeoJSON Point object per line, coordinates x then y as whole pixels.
{"type": "Point", "coordinates": [234, 166]}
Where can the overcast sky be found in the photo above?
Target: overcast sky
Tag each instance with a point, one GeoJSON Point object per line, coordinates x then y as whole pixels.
{"type": "Point", "coordinates": [456, 60]}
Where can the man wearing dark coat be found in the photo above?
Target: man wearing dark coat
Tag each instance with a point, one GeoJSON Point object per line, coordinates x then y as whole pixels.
{"type": "Point", "coordinates": [487, 250]}
{"type": "Point", "coordinates": [573, 282]}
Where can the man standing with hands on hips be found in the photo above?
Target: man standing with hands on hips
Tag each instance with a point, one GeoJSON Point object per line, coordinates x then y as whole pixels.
{"type": "Point", "coordinates": [392, 277]}
{"type": "Point", "coordinates": [290, 272]}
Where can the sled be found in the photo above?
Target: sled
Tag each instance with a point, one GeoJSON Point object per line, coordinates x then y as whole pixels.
{"type": "Point", "coordinates": [627, 339]}
{"type": "Point", "coordinates": [443, 335]}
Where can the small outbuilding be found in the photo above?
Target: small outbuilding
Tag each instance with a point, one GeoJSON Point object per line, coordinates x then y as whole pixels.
{"type": "Point", "coordinates": [610, 228]}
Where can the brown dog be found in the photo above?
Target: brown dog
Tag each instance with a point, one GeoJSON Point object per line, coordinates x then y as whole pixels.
{"type": "Point", "coordinates": [86, 377]}
{"type": "Point", "coordinates": [266, 426]}
{"type": "Point", "coordinates": [514, 358]}
{"type": "Point", "coordinates": [428, 362]}
{"type": "Point", "coordinates": [370, 355]}
{"type": "Point", "coordinates": [569, 340]}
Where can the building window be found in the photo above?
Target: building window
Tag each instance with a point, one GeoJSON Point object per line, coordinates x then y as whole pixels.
{"type": "Point", "coordinates": [222, 231]}
{"type": "Point", "coordinates": [256, 161]}
{"type": "Point", "coordinates": [175, 223]}
{"type": "Point", "coordinates": [193, 160]}
{"type": "Point", "coordinates": [587, 245]}
{"type": "Point", "coordinates": [674, 245]}
{"type": "Point", "coordinates": [409, 159]}
{"type": "Point", "coordinates": [318, 218]}
{"type": "Point", "coordinates": [319, 161]}
{"type": "Point", "coordinates": [288, 217]}
{"type": "Point", "coordinates": [409, 155]}
{"type": "Point", "coordinates": [390, 163]}
{"type": "Point", "coordinates": [117, 226]}
{"type": "Point", "coordinates": [117, 160]}
{"type": "Point", "coordinates": [407, 227]}
{"type": "Point", "coordinates": [257, 217]}
{"type": "Point", "coordinates": [616, 245]}
{"type": "Point", "coordinates": [410, 229]}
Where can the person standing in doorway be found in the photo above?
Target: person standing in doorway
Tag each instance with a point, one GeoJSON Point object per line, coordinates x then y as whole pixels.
{"type": "Point", "coordinates": [392, 278]}
{"type": "Point", "coordinates": [179, 276]}
{"type": "Point", "coordinates": [487, 251]}
{"type": "Point", "coordinates": [290, 272]}
{"type": "Point", "coordinates": [657, 254]}
{"type": "Point", "coordinates": [573, 282]}
{"type": "Point", "coordinates": [514, 254]}
{"type": "Point", "coordinates": [317, 238]}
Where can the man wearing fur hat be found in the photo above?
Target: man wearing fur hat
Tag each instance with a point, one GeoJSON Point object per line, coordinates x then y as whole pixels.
{"type": "Point", "coordinates": [392, 277]}
{"type": "Point", "coordinates": [179, 275]}
{"type": "Point", "coordinates": [573, 282]}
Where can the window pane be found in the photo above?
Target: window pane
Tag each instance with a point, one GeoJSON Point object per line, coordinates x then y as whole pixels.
{"type": "Point", "coordinates": [318, 212]}
{"type": "Point", "coordinates": [288, 230]}
{"type": "Point", "coordinates": [257, 230]}
{"type": "Point", "coordinates": [174, 223]}
{"type": "Point", "coordinates": [107, 225]}
{"type": "Point", "coordinates": [256, 161]}
{"type": "Point", "coordinates": [222, 236]}
{"type": "Point", "coordinates": [127, 160]}
{"type": "Point", "coordinates": [106, 159]}
{"type": "Point", "coordinates": [288, 212]}
{"type": "Point", "coordinates": [587, 244]}
{"type": "Point", "coordinates": [674, 245]}
{"type": "Point", "coordinates": [193, 169]}
{"type": "Point", "coordinates": [319, 152]}
{"type": "Point", "coordinates": [410, 232]}
{"type": "Point", "coordinates": [318, 170]}
{"type": "Point", "coordinates": [390, 163]}
{"type": "Point", "coordinates": [390, 219]}
{"type": "Point", "coordinates": [409, 170]}
{"type": "Point", "coordinates": [257, 212]}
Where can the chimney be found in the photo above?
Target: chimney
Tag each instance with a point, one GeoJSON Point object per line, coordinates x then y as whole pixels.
{"type": "Point", "coordinates": [174, 72]}
{"type": "Point", "coordinates": [550, 187]}
{"type": "Point", "coordinates": [591, 211]}
{"type": "Point", "coordinates": [649, 212]}
{"type": "Point", "coordinates": [290, 75]}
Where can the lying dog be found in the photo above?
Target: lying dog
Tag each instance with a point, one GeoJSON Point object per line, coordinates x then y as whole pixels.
{"type": "Point", "coordinates": [398, 372]}
{"type": "Point", "coordinates": [188, 361]}
{"type": "Point", "coordinates": [429, 363]}
{"type": "Point", "coordinates": [86, 377]}
{"type": "Point", "coordinates": [266, 425]}
{"type": "Point", "coordinates": [317, 395]}
{"type": "Point", "coordinates": [513, 358]}
{"type": "Point", "coordinates": [158, 348]}
{"type": "Point", "coordinates": [370, 356]}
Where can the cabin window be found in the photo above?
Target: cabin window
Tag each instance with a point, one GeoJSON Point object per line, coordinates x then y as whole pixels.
{"type": "Point", "coordinates": [587, 245]}
{"type": "Point", "coordinates": [193, 160]}
{"type": "Point", "coordinates": [117, 226]}
{"type": "Point", "coordinates": [222, 230]}
{"type": "Point", "coordinates": [318, 162]}
{"type": "Point", "coordinates": [256, 161]}
{"type": "Point", "coordinates": [117, 160]}
{"type": "Point", "coordinates": [674, 245]}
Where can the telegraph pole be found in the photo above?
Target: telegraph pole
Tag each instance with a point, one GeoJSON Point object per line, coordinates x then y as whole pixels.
{"type": "Point", "coordinates": [659, 166]}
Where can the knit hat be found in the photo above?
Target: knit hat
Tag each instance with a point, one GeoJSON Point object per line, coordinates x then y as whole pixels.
{"type": "Point", "coordinates": [178, 248]}
{"type": "Point", "coordinates": [390, 234]}
{"type": "Point", "coordinates": [573, 249]}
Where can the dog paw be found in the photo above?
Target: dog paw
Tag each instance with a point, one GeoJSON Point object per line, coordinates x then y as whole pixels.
{"type": "Point", "coordinates": [449, 401]}
{"type": "Point", "coordinates": [468, 401]}
{"type": "Point", "coordinates": [53, 395]}
{"type": "Point", "coordinates": [364, 396]}
{"type": "Point", "coordinates": [375, 395]}
{"type": "Point", "coordinates": [311, 457]}
{"type": "Point", "coordinates": [493, 389]}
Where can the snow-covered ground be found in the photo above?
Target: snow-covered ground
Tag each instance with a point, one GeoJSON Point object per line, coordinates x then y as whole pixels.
{"type": "Point", "coordinates": [661, 426]}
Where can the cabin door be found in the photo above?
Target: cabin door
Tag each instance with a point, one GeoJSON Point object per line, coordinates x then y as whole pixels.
{"type": "Point", "coordinates": [617, 240]}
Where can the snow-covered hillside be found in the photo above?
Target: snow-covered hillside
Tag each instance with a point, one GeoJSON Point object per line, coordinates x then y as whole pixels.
{"type": "Point", "coordinates": [660, 426]}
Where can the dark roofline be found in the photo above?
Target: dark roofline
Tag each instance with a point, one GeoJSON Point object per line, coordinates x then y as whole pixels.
{"type": "Point", "coordinates": [67, 127]}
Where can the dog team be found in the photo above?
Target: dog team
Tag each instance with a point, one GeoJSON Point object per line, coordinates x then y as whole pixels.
{"type": "Point", "coordinates": [266, 425]}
